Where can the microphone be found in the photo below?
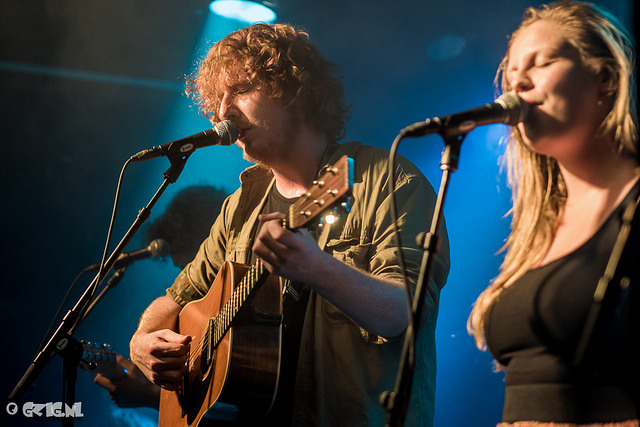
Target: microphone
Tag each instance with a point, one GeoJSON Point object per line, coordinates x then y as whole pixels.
{"type": "Point", "coordinates": [508, 109]}
{"type": "Point", "coordinates": [223, 133]}
{"type": "Point", "coordinates": [156, 249]}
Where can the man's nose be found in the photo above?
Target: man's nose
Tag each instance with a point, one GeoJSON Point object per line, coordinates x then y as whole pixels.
{"type": "Point", "coordinates": [225, 111]}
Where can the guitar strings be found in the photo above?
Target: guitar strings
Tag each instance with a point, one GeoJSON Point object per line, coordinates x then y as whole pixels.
{"type": "Point", "coordinates": [228, 311]}
{"type": "Point", "coordinates": [222, 315]}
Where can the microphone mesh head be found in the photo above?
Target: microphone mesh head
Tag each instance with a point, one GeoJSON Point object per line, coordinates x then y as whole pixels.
{"type": "Point", "coordinates": [159, 248]}
{"type": "Point", "coordinates": [515, 108]}
{"type": "Point", "coordinates": [228, 132]}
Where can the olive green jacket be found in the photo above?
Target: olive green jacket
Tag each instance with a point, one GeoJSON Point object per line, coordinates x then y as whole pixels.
{"type": "Point", "coordinates": [343, 369]}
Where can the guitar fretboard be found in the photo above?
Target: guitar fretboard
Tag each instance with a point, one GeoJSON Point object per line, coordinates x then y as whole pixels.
{"type": "Point", "coordinates": [252, 280]}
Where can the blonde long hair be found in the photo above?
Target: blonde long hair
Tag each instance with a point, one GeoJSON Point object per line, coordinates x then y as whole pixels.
{"type": "Point", "coordinates": [538, 189]}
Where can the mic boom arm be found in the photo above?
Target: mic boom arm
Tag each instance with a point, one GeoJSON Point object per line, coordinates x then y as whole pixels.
{"type": "Point", "coordinates": [508, 109]}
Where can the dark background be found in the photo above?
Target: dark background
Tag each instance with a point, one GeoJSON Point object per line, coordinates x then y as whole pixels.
{"type": "Point", "coordinates": [84, 84]}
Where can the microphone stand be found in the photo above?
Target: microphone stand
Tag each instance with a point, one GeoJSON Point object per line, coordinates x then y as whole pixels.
{"type": "Point", "coordinates": [61, 341]}
{"type": "Point", "coordinates": [397, 402]}
{"type": "Point", "coordinates": [111, 283]}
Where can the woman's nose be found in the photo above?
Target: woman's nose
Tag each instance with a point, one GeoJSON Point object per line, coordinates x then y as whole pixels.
{"type": "Point", "coordinates": [521, 81]}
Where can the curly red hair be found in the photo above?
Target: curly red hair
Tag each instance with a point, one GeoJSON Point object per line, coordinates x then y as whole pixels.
{"type": "Point", "coordinates": [279, 61]}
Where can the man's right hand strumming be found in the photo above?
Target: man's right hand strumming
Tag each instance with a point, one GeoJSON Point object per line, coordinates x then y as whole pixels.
{"type": "Point", "coordinates": [158, 351]}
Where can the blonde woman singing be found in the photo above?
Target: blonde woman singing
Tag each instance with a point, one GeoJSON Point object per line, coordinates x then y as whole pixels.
{"type": "Point", "coordinates": [573, 168]}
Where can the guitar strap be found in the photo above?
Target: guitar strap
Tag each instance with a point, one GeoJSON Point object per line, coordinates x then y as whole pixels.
{"type": "Point", "coordinates": [595, 310]}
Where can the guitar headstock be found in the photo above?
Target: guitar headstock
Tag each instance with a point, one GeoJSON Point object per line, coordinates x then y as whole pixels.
{"type": "Point", "coordinates": [100, 359]}
{"type": "Point", "coordinates": [331, 188]}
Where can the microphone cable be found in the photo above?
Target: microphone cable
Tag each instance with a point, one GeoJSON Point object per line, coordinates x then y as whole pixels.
{"type": "Point", "coordinates": [89, 268]}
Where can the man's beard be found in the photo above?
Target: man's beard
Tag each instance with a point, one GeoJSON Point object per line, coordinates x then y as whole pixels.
{"type": "Point", "coordinates": [279, 148]}
{"type": "Point", "coordinates": [257, 162]}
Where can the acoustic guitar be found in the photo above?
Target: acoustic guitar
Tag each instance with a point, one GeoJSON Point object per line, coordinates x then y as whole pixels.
{"type": "Point", "coordinates": [234, 359]}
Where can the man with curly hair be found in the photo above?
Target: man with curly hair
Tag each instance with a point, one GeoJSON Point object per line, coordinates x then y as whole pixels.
{"type": "Point", "coordinates": [344, 307]}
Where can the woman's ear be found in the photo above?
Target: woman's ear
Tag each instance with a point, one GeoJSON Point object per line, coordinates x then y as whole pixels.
{"type": "Point", "coordinates": [608, 81]}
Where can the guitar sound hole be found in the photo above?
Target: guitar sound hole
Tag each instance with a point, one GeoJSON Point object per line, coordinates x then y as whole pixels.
{"type": "Point", "coordinates": [205, 362]}
{"type": "Point", "coordinates": [207, 356]}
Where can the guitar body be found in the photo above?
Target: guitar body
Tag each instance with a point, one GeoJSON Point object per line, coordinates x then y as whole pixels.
{"type": "Point", "coordinates": [242, 370]}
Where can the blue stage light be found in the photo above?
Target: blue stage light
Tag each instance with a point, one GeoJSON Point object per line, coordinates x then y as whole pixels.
{"type": "Point", "coordinates": [243, 10]}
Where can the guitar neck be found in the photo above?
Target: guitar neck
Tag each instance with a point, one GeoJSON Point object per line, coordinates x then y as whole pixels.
{"type": "Point", "coordinates": [252, 280]}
